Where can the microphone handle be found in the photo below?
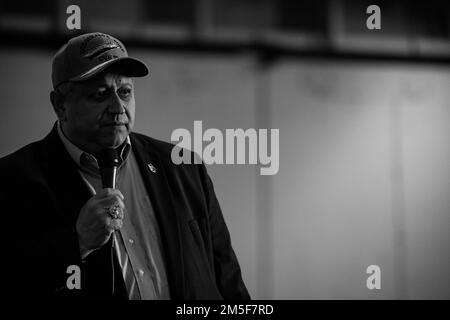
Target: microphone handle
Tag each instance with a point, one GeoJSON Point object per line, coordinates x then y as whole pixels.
{"type": "Point", "coordinates": [109, 177]}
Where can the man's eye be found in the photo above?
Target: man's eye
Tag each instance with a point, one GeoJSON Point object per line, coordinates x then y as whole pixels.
{"type": "Point", "coordinates": [125, 93]}
{"type": "Point", "coordinates": [99, 94]}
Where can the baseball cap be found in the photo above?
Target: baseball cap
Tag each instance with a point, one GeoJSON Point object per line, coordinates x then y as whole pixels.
{"type": "Point", "coordinates": [86, 55]}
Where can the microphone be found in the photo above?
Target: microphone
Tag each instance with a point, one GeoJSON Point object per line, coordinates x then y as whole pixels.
{"type": "Point", "coordinates": [108, 161]}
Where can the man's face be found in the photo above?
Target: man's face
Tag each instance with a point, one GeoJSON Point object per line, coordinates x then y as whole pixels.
{"type": "Point", "coordinates": [100, 112]}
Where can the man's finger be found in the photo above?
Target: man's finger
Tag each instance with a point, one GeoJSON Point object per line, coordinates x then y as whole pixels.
{"type": "Point", "coordinates": [107, 192]}
{"type": "Point", "coordinates": [115, 224]}
{"type": "Point", "coordinates": [111, 201]}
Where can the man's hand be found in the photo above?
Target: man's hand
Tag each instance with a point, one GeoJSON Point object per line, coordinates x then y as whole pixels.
{"type": "Point", "coordinates": [94, 224]}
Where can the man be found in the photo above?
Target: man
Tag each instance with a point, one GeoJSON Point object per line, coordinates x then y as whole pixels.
{"type": "Point", "coordinates": [160, 234]}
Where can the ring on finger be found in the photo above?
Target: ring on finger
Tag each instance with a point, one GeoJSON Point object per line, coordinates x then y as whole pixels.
{"type": "Point", "coordinates": [113, 211]}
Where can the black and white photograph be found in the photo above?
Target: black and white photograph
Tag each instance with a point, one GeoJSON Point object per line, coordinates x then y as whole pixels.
{"type": "Point", "coordinates": [247, 151]}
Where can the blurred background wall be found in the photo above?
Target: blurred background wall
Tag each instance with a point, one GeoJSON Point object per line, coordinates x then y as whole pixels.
{"type": "Point", "coordinates": [363, 115]}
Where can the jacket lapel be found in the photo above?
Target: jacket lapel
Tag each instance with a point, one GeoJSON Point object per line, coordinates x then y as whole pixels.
{"type": "Point", "coordinates": [63, 176]}
{"type": "Point", "coordinates": [155, 180]}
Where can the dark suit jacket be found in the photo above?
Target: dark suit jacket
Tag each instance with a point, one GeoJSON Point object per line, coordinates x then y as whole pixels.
{"type": "Point", "coordinates": [42, 193]}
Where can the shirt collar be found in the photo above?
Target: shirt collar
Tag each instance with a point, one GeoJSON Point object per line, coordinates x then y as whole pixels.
{"type": "Point", "coordinates": [85, 160]}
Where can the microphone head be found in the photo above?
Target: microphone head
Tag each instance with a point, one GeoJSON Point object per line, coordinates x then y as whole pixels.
{"type": "Point", "coordinates": [108, 158]}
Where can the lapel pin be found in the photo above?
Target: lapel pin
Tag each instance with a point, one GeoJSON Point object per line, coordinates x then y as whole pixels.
{"type": "Point", "coordinates": [151, 167]}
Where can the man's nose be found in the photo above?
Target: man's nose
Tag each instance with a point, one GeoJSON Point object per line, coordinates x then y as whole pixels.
{"type": "Point", "coordinates": [115, 104]}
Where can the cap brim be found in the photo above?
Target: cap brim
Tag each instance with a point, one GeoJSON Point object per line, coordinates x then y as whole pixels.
{"type": "Point", "coordinates": [130, 67]}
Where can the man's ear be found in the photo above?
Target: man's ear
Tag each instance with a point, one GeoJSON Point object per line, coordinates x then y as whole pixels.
{"type": "Point", "coordinates": [58, 105]}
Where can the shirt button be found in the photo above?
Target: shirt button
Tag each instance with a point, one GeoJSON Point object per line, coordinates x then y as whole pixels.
{"type": "Point", "coordinates": [131, 241]}
{"type": "Point", "coordinates": [141, 272]}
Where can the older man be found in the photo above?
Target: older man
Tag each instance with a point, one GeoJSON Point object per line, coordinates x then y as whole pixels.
{"type": "Point", "coordinates": [159, 234]}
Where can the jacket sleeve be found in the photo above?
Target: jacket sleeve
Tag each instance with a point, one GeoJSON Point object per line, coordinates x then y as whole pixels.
{"type": "Point", "coordinates": [227, 270]}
